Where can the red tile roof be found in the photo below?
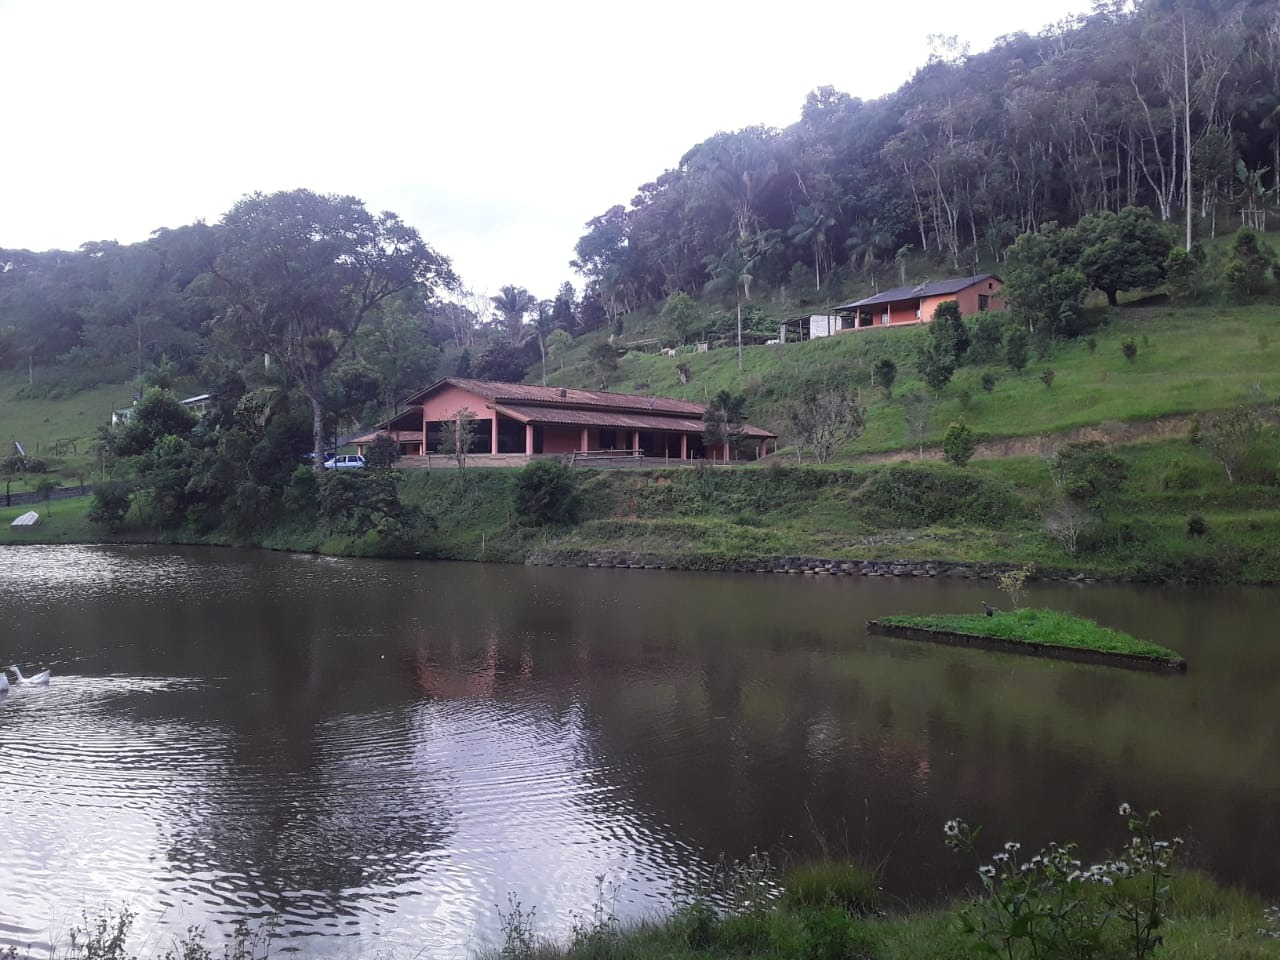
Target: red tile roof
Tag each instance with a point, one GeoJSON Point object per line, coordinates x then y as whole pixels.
{"type": "Point", "coordinates": [498, 392]}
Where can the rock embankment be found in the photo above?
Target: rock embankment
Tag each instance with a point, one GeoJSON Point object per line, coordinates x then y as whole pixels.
{"type": "Point", "coordinates": [801, 566]}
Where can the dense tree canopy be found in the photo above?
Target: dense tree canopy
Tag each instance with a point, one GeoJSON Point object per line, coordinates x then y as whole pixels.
{"type": "Point", "coordinates": [297, 273]}
{"type": "Point", "coordinates": [1089, 117]}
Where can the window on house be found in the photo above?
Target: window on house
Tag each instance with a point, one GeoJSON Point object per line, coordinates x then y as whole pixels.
{"type": "Point", "coordinates": [983, 302]}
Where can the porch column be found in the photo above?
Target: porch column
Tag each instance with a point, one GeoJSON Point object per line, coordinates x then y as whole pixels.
{"type": "Point", "coordinates": [764, 449]}
{"type": "Point", "coordinates": [528, 439]}
{"type": "Point", "coordinates": [493, 433]}
{"type": "Point", "coordinates": [635, 442]}
{"type": "Point", "coordinates": [684, 446]}
{"type": "Point", "coordinates": [583, 445]}
{"type": "Point", "coordinates": [726, 451]}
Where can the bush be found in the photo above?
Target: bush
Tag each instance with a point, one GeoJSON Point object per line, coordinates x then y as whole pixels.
{"type": "Point", "coordinates": [303, 490]}
{"type": "Point", "coordinates": [1016, 349]}
{"type": "Point", "coordinates": [883, 372]}
{"type": "Point", "coordinates": [1182, 274]}
{"type": "Point", "coordinates": [831, 934]}
{"type": "Point", "coordinates": [1196, 526]}
{"type": "Point", "coordinates": [1046, 377]}
{"type": "Point", "coordinates": [111, 502]}
{"type": "Point", "coordinates": [988, 334]}
{"type": "Point", "coordinates": [989, 382]}
{"type": "Point", "coordinates": [382, 454]}
{"type": "Point", "coordinates": [1051, 905]}
{"type": "Point", "coordinates": [959, 443]}
{"type": "Point", "coordinates": [1089, 473]}
{"type": "Point", "coordinates": [852, 887]}
{"type": "Point", "coordinates": [1178, 476]}
{"type": "Point", "coordinates": [546, 492]}
{"type": "Point", "coordinates": [36, 465]}
{"type": "Point", "coordinates": [696, 924]}
{"type": "Point", "coordinates": [1130, 349]}
{"type": "Point", "coordinates": [918, 496]}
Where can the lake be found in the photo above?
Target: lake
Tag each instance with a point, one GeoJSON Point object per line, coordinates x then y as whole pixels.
{"type": "Point", "coordinates": [381, 753]}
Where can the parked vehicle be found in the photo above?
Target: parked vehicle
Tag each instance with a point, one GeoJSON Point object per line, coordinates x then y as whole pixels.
{"type": "Point", "coordinates": [345, 461]}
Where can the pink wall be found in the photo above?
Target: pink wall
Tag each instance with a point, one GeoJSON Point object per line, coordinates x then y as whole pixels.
{"type": "Point", "coordinates": [968, 299]}
{"type": "Point", "coordinates": [448, 400]}
{"type": "Point", "coordinates": [560, 439]}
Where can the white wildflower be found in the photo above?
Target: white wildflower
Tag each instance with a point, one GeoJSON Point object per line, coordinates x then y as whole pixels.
{"type": "Point", "coordinates": [987, 871]}
{"type": "Point", "coordinates": [1125, 809]}
{"type": "Point", "coordinates": [1013, 847]}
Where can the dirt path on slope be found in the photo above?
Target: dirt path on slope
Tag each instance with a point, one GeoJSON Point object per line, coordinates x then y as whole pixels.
{"type": "Point", "coordinates": [1135, 431]}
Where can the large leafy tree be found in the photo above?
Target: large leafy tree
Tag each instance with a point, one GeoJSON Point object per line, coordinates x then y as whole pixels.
{"type": "Point", "coordinates": [1121, 251]}
{"type": "Point", "coordinates": [297, 273]}
{"type": "Point", "coordinates": [1046, 291]}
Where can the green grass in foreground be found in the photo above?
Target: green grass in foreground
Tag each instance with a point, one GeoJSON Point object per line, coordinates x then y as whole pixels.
{"type": "Point", "coordinates": [1203, 920]}
{"type": "Point", "coordinates": [826, 911]}
{"type": "Point", "coordinates": [61, 521]}
{"type": "Point", "coordinates": [1047, 627]}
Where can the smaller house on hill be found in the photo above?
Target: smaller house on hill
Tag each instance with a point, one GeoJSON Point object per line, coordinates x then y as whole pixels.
{"type": "Point", "coordinates": [903, 305]}
{"type": "Point", "coordinates": [198, 405]}
{"type": "Point", "coordinates": [516, 421]}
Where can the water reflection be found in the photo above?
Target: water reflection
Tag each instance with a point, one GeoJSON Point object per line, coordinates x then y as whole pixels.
{"type": "Point", "coordinates": [386, 749]}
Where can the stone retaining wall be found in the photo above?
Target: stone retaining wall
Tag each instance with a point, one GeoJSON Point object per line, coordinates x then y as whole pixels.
{"type": "Point", "coordinates": [799, 566]}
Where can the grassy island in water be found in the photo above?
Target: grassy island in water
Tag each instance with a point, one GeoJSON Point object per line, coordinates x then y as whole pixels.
{"type": "Point", "coordinates": [1034, 629]}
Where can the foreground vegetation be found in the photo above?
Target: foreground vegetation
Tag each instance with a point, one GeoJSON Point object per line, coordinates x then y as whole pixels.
{"type": "Point", "coordinates": [1032, 626]}
{"type": "Point", "coordinates": [1136, 903]}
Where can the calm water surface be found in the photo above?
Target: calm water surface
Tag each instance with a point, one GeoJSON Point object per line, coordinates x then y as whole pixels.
{"type": "Point", "coordinates": [380, 753]}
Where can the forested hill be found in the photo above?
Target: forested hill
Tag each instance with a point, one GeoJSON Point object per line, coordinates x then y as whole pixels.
{"type": "Point", "coordinates": [1092, 114]}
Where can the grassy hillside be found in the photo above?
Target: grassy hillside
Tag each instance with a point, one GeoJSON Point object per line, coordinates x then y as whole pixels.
{"type": "Point", "coordinates": [1189, 359]}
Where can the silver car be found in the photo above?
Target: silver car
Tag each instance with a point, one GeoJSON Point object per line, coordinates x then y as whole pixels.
{"type": "Point", "coordinates": [346, 461]}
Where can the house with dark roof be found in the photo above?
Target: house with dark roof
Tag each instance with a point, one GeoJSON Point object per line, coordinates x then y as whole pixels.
{"type": "Point", "coordinates": [903, 305]}
{"type": "Point", "coordinates": [516, 421]}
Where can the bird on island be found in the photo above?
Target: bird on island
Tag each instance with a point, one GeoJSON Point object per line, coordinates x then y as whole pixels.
{"type": "Point", "coordinates": [988, 609]}
{"type": "Point", "coordinates": [4, 682]}
{"type": "Point", "coordinates": [39, 679]}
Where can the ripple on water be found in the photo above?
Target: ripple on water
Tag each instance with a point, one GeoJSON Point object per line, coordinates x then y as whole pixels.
{"type": "Point", "coordinates": [409, 821]}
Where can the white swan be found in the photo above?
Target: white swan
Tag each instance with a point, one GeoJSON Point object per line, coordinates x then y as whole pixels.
{"type": "Point", "coordinates": [40, 679]}
{"type": "Point", "coordinates": [4, 682]}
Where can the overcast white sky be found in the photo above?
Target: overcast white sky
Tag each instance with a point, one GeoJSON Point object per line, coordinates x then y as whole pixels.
{"type": "Point", "coordinates": [496, 128]}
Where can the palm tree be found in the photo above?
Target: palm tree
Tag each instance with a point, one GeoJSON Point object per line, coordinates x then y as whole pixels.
{"type": "Point", "coordinates": [732, 269]}
{"type": "Point", "coordinates": [543, 323]}
{"type": "Point", "coordinates": [868, 243]}
{"type": "Point", "coordinates": [513, 303]}
{"type": "Point", "coordinates": [810, 229]}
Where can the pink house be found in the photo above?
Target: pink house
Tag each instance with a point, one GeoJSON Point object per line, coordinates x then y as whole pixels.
{"type": "Point", "coordinates": [903, 305]}
{"type": "Point", "coordinates": [516, 421]}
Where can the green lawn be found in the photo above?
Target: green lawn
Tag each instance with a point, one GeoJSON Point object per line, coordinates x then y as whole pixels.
{"type": "Point", "coordinates": [61, 521]}
{"type": "Point", "coordinates": [1044, 627]}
